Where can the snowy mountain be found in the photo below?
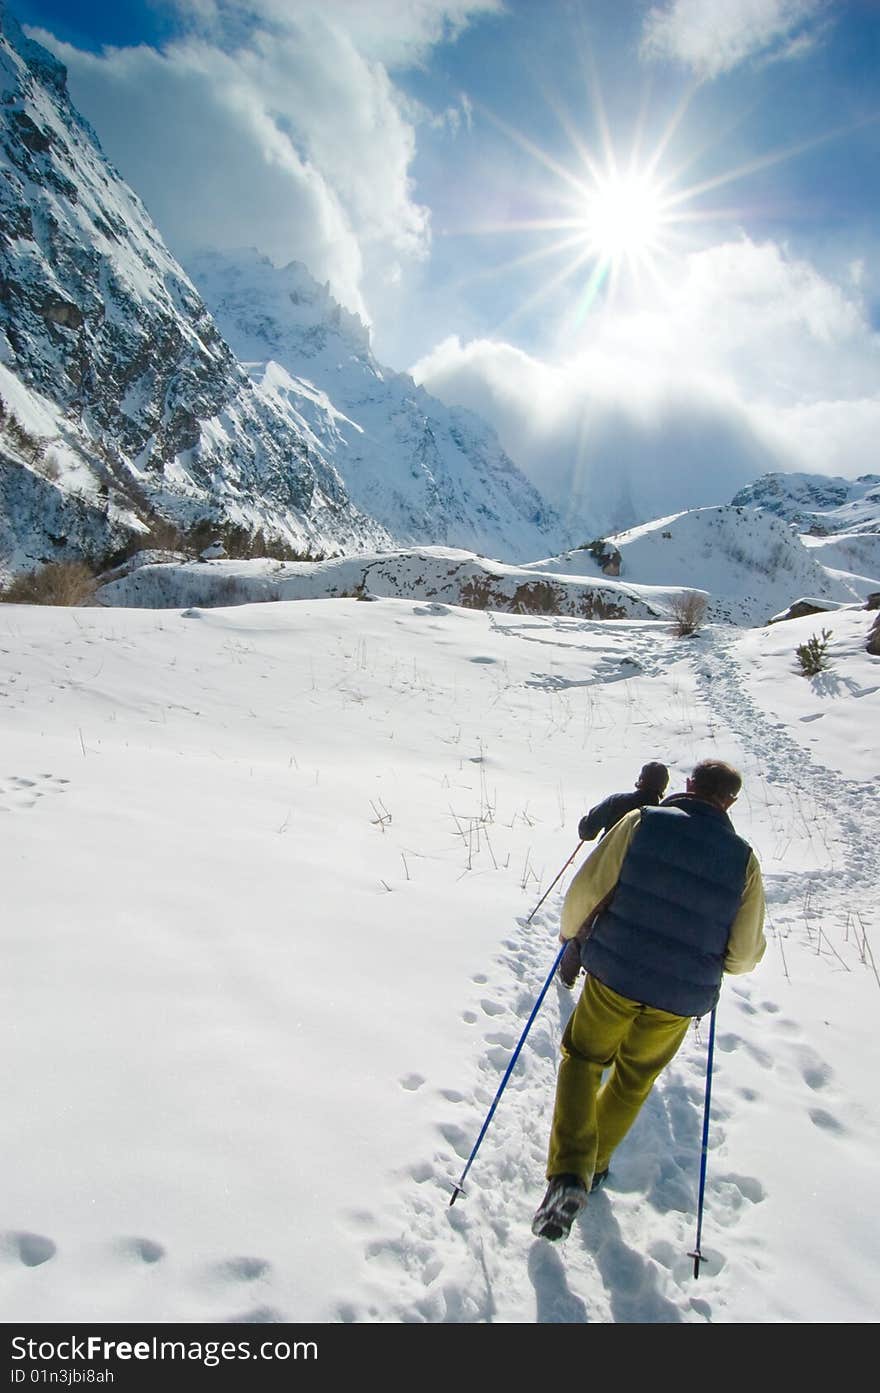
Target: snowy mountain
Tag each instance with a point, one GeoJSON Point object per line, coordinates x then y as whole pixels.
{"type": "Point", "coordinates": [120, 398]}
{"type": "Point", "coordinates": [817, 503]}
{"type": "Point", "coordinates": [751, 562]}
{"type": "Point", "coordinates": [426, 471]}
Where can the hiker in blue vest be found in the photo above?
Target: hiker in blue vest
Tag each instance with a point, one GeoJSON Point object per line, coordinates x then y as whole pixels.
{"type": "Point", "coordinates": [682, 902]}
{"type": "Point", "coordinates": [650, 788]}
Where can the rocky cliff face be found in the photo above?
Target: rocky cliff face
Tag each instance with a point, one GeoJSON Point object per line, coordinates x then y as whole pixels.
{"type": "Point", "coordinates": [109, 358]}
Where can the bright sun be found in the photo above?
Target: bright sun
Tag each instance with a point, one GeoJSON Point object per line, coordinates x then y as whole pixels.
{"type": "Point", "coordinates": [623, 218]}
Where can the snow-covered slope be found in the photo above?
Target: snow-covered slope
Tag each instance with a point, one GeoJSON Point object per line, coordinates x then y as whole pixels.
{"type": "Point", "coordinates": [752, 563]}
{"type": "Point", "coordinates": [747, 563]}
{"type": "Point", "coordinates": [817, 502]}
{"type": "Point", "coordinates": [857, 552]}
{"type": "Point", "coordinates": [116, 383]}
{"type": "Point", "coordinates": [266, 878]}
{"type": "Point", "coordinates": [426, 471]}
{"type": "Point", "coordinates": [426, 573]}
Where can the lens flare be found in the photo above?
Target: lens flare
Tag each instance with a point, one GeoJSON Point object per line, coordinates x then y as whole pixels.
{"type": "Point", "coordinates": [624, 217]}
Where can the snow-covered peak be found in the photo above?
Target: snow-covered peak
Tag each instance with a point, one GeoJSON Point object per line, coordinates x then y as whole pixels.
{"type": "Point", "coordinates": [425, 471]}
{"type": "Point", "coordinates": [42, 63]}
{"type": "Point", "coordinates": [818, 503]}
{"type": "Point", "coordinates": [277, 312]}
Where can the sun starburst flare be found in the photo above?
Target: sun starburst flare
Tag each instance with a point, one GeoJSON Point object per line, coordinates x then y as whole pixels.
{"type": "Point", "coordinates": [621, 222]}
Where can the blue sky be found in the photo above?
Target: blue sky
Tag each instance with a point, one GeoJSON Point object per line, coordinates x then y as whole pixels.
{"type": "Point", "coordinates": [654, 222]}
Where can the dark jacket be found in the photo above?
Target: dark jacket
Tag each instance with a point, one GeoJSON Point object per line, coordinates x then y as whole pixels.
{"type": "Point", "coordinates": [608, 813]}
{"type": "Point", "coordinates": [663, 937]}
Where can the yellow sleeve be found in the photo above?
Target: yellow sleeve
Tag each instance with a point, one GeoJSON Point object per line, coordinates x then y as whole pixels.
{"type": "Point", "coordinates": [745, 947]}
{"type": "Point", "coordinates": [598, 875]}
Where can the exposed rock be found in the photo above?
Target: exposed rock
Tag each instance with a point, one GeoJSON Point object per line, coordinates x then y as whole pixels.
{"type": "Point", "coordinates": [62, 312]}
{"type": "Point", "coordinates": [800, 608]}
{"type": "Point", "coordinates": [29, 132]}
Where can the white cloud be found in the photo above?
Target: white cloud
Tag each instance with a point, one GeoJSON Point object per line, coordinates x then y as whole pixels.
{"type": "Point", "coordinates": [713, 36]}
{"type": "Point", "coordinates": [396, 33]}
{"type": "Point", "coordinates": [210, 162]}
{"type": "Point", "coordinates": [276, 125]}
{"type": "Point", "coordinates": [753, 362]}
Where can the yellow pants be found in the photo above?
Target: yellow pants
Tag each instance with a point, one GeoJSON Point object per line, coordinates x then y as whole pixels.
{"type": "Point", "coordinates": [606, 1031]}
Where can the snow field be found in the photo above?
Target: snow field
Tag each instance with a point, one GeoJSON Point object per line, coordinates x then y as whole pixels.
{"type": "Point", "coordinates": [267, 872]}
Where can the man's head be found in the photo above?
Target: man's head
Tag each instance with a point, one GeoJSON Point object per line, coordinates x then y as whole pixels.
{"type": "Point", "coordinates": [653, 778]}
{"type": "Point", "coordinates": [715, 782]}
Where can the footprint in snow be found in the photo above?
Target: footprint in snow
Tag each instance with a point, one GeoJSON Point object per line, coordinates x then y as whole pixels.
{"type": "Point", "coordinates": [260, 1315]}
{"type": "Point", "coordinates": [556, 1303]}
{"type": "Point", "coordinates": [451, 1095]}
{"type": "Point", "coordinates": [19, 791]}
{"type": "Point", "coordinates": [412, 1081]}
{"type": "Point", "coordinates": [141, 1249]}
{"type": "Point", "coordinates": [30, 1249]}
{"type": "Point", "coordinates": [730, 1042]}
{"type": "Point", "coordinates": [747, 1185]}
{"type": "Point", "coordinates": [826, 1122]}
{"type": "Point", "coordinates": [459, 1140]}
{"type": "Point", "coordinates": [503, 1038]}
{"type": "Point", "coordinates": [815, 1072]}
{"type": "Point", "coordinates": [239, 1269]}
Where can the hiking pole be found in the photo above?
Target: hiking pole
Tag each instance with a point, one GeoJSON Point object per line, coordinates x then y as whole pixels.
{"type": "Point", "coordinates": [697, 1254]}
{"type": "Point", "coordinates": [459, 1188]}
{"type": "Point", "coordinates": [562, 872]}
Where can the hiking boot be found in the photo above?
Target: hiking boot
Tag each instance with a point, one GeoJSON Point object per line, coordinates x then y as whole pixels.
{"type": "Point", "coordinates": [570, 964]}
{"type": "Point", "coordinates": [565, 1198]}
{"type": "Point", "coordinates": [598, 1179]}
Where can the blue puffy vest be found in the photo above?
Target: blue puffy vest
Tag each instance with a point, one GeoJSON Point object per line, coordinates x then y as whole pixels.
{"type": "Point", "coordinates": [662, 939]}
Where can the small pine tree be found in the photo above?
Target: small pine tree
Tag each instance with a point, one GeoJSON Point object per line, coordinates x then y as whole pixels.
{"type": "Point", "coordinates": [813, 655]}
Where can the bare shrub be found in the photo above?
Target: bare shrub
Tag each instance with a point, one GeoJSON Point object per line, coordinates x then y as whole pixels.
{"type": "Point", "coordinates": [57, 583]}
{"type": "Point", "coordinates": [688, 610]}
